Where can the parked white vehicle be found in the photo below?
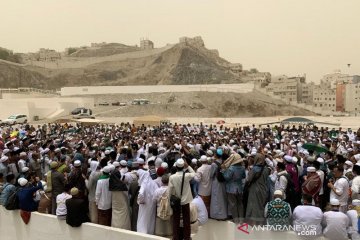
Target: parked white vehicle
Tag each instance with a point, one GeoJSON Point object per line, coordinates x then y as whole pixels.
{"type": "Point", "coordinates": [14, 119]}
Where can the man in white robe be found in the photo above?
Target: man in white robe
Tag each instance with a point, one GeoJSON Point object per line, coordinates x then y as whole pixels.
{"type": "Point", "coordinates": [147, 207]}
{"type": "Point", "coordinates": [335, 222]}
{"type": "Point", "coordinates": [353, 218]}
{"type": "Point", "coordinates": [307, 215]}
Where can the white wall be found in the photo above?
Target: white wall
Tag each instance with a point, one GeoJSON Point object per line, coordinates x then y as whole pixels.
{"type": "Point", "coordinates": [42, 107]}
{"type": "Point", "coordinates": [48, 227]}
{"type": "Point", "coordinates": [92, 90]}
{"type": "Point", "coordinates": [224, 230]}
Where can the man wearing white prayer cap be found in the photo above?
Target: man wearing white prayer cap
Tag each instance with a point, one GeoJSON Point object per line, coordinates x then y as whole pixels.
{"type": "Point", "coordinates": [355, 185]}
{"type": "Point", "coordinates": [308, 215]}
{"type": "Point", "coordinates": [357, 157]}
{"type": "Point", "coordinates": [335, 222]}
{"type": "Point", "coordinates": [348, 166]}
{"type": "Point", "coordinates": [277, 211]}
{"type": "Point", "coordinates": [203, 178]}
{"type": "Point", "coordinates": [353, 217]}
{"type": "Point", "coordinates": [174, 188]}
{"type": "Point", "coordinates": [165, 165]}
{"type": "Point", "coordinates": [340, 188]}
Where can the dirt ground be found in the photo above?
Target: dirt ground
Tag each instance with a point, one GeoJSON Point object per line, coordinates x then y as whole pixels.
{"type": "Point", "coordinates": [196, 104]}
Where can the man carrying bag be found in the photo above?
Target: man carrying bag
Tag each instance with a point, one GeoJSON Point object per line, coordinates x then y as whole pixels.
{"type": "Point", "coordinates": [180, 198]}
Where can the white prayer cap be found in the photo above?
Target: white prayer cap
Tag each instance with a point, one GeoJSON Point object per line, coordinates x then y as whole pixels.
{"type": "Point", "coordinates": [24, 169]}
{"type": "Point", "coordinates": [294, 160]}
{"type": "Point", "coordinates": [194, 161]}
{"type": "Point", "coordinates": [180, 162]}
{"type": "Point", "coordinates": [281, 154]}
{"type": "Point", "coordinates": [123, 163]}
{"type": "Point", "coordinates": [116, 164]}
{"type": "Point", "coordinates": [320, 160]}
{"type": "Point", "coordinates": [356, 202]}
{"type": "Point", "coordinates": [4, 159]}
{"type": "Point", "coordinates": [112, 167]}
{"type": "Point", "coordinates": [311, 169]}
{"type": "Point", "coordinates": [107, 152]}
{"type": "Point", "coordinates": [5, 151]}
{"type": "Point", "coordinates": [203, 158]}
{"type": "Point", "coordinates": [164, 165]}
{"type": "Point", "coordinates": [140, 161]}
{"type": "Point", "coordinates": [288, 158]}
{"type": "Point", "coordinates": [77, 163]}
{"type": "Point", "coordinates": [357, 157]}
{"type": "Point", "coordinates": [23, 154]}
{"type": "Point", "coordinates": [57, 150]}
{"type": "Point", "coordinates": [22, 181]}
{"type": "Point", "coordinates": [209, 152]}
{"type": "Point", "coordinates": [334, 202]}
{"type": "Point", "coordinates": [349, 163]}
{"type": "Point", "coordinates": [278, 192]}
{"type": "Point", "coordinates": [107, 169]}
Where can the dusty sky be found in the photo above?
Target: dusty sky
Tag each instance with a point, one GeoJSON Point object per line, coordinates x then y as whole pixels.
{"type": "Point", "coordinates": [280, 36]}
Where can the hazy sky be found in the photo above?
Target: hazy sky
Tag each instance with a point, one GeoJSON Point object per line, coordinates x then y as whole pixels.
{"type": "Point", "coordinates": [280, 36]}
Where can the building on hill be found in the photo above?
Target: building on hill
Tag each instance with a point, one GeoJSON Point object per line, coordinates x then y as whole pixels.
{"type": "Point", "coordinates": [146, 44]}
{"type": "Point", "coordinates": [236, 68]}
{"type": "Point", "coordinates": [195, 41]}
{"type": "Point", "coordinates": [287, 88]}
{"type": "Point", "coordinates": [48, 55]}
{"type": "Point", "coordinates": [260, 79]}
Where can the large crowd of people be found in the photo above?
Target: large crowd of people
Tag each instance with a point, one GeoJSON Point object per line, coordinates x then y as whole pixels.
{"type": "Point", "coordinates": [170, 179]}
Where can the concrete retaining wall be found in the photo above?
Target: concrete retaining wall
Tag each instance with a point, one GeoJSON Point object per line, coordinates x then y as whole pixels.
{"type": "Point", "coordinates": [48, 227]}
{"type": "Point", "coordinates": [93, 90]}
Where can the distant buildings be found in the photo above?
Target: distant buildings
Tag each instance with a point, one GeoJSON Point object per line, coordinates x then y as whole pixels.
{"type": "Point", "coordinates": [146, 44]}
{"type": "Point", "coordinates": [48, 55]}
{"type": "Point", "coordinates": [43, 55]}
{"type": "Point", "coordinates": [337, 93]}
{"type": "Point", "coordinates": [195, 41]}
{"type": "Point", "coordinates": [290, 89]}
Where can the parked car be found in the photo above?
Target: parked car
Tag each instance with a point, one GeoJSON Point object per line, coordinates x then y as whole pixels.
{"type": "Point", "coordinates": [118, 104]}
{"type": "Point", "coordinates": [103, 104]}
{"type": "Point", "coordinates": [14, 119]}
{"type": "Point", "coordinates": [79, 110]}
{"type": "Point", "coordinates": [83, 115]}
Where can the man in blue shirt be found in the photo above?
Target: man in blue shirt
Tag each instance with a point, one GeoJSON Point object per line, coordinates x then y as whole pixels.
{"type": "Point", "coordinates": [8, 188]}
{"type": "Point", "coordinates": [234, 176]}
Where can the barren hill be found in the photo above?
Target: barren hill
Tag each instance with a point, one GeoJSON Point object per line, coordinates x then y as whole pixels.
{"type": "Point", "coordinates": [180, 64]}
{"type": "Point", "coordinates": [197, 104]}
{"type": "Point", "coordinates": [14, 76]}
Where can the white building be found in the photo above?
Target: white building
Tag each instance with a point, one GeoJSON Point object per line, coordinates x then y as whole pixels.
{"type": "Point", "coordinates": [352, 98]}
{"type": "Point", "coordinates": [324, 98]}
{"type": "Point", "coordinates": [288, 88]}
{"type": "Point", "coordinates": [332, 79]}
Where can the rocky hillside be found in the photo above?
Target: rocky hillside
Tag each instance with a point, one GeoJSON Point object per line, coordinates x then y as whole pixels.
{"type": "Point", "coordinates": [197, 104]}
{"type": "Point", "coordinates": [14, 76]}
{"type": "Point", "coordinates": [180, 64]}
